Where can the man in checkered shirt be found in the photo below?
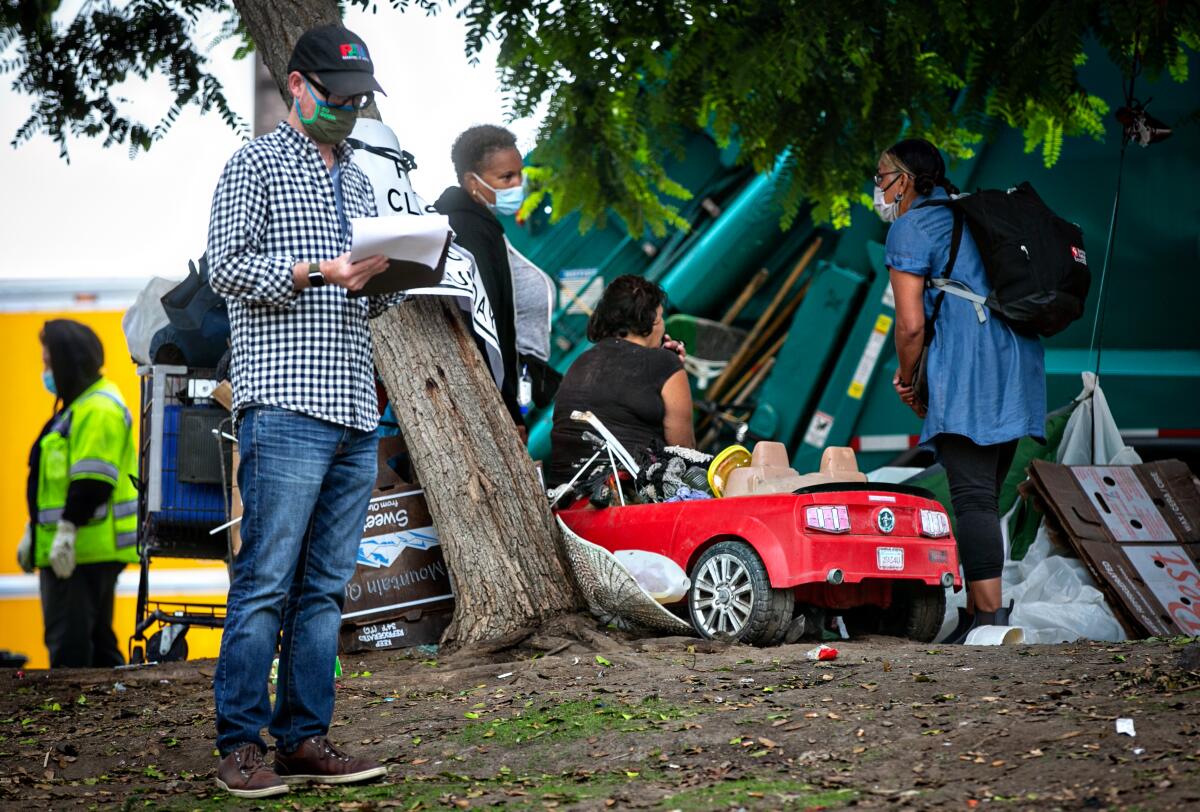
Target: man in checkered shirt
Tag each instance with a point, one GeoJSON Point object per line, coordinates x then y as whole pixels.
{"type": "Point", "coordinates": [304, 398]}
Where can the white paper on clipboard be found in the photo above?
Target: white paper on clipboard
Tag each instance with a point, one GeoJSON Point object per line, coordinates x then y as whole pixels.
{"type": "Point", "coordinates": [416, 247]}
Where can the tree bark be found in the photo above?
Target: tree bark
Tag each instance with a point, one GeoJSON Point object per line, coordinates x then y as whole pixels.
{"type": "Point", "coordinates": [500, 540]}
{"type": "Point", "coordinates": [275, 25]}
{"type": "Point", "coordinates": [501, 543]}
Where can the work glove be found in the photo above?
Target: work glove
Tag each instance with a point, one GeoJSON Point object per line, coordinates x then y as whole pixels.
{"type": "Point", "coordinates": [62, 551]}
{"type": "Point", "coordinates": [25, 550]}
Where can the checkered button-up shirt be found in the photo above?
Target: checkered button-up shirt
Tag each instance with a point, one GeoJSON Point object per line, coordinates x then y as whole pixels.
{"type": "Point", "coordinates": [308, 350]}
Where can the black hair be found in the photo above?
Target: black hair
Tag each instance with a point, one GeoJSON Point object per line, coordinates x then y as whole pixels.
{"type": "Point", "coordinates": [76, 356]}
{"type": "Point", "coordinates": [629, 305]}
{"type": "Point", "coordinates": [474, 146]}
{"type": "Point", "coordinates": [924, 162]}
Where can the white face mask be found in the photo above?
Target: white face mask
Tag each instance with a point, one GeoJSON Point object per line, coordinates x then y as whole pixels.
{"type": "Point", "coordinates": [888, 212]}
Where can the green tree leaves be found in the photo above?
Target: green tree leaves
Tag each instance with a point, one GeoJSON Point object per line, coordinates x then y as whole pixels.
{"type": "Point", "coordinates": [829, 84]}
{"type": "Point", "coordinates": [819, 88]}
{"type": "Point", "coordinates": [72, 69]}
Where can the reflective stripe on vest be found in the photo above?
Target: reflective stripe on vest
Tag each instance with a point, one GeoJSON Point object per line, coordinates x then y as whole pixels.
{"type": "Point", "coordinates": [49, 516]}
{"type": "Point", "coordinates": [94, 467]}
{"type": "Point", "coordinates": [52, 515]}
{"type": "Point", "coordinates": [116, 400]}
{"type": "Point", "coordinates": [123, 509]}
{"type": "Point", "coordinates": [126, 539]}
{"type": "Point", "coordinates": [62, 426]}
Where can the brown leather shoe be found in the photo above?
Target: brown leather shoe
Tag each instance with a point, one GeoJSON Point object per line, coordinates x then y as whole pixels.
{"type": "Point", "coordinates": [245, 774]}
{"type": "Point", "coordinates": [317, 761]}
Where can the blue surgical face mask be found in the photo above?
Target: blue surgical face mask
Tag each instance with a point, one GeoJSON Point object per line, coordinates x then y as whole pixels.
{"type": "Point", "coordinates": [48, 382]}
{"type": "Point", "coordinates": [508, 201]}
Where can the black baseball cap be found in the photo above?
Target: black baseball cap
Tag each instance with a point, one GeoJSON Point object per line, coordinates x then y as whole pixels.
{"type": "Point", "coordinates": [338, 58]}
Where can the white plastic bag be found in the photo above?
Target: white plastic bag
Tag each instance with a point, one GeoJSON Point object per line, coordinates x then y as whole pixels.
{"type": "Point", "coordinates": [660, 576]}
{"type": "Point", "coordinates": [1056, 598]}
{"type": "Point", "coordinates": [145, 317]}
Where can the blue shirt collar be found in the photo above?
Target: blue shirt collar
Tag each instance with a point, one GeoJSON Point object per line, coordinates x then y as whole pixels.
{"type": "Point", "coordinates": [938, 193]}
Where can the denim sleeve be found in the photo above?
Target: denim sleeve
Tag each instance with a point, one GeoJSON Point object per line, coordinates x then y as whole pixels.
{"type": "Point", "coordinates": [908, 247]}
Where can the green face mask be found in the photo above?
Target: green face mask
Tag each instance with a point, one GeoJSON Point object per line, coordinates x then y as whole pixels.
{"type": "Point", "coordinates": [329, 124]}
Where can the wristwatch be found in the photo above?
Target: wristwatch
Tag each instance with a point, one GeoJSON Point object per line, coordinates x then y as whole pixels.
{"type": "Point", "coordinates": [316, 279]}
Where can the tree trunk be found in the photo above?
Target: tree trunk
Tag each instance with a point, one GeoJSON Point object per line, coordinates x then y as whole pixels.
{"type": "Point", "coordinates": [498, 535]}
{"type": "Point", "coordinates": [501, 543]}
{"type": "Point", "coordinates": [275, 25]}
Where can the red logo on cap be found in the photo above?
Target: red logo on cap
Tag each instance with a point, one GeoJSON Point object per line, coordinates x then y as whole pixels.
{"type": "Point", "coordinates": [351, 50]}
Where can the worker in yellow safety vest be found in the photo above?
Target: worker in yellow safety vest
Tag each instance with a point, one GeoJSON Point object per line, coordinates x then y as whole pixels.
{"type": "Point", "coordinates": [82, 500]}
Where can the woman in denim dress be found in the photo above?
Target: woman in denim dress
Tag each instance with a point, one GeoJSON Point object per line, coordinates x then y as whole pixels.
{"type": "Point", "coordinates": [987, 385]}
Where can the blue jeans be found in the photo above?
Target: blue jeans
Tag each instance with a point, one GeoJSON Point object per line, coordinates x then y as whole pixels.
{"type": "Point", "coordinates": [305, 485]}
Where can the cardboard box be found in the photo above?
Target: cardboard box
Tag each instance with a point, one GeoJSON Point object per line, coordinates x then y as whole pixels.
{"type": "Point", "coordinates": [400, 594]}
{"type": "Point", "coordinates": [417, 629]}
{"type": "Point", "coordinates": [1138, 530]}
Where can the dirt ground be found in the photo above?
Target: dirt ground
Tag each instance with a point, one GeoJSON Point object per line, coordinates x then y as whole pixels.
{"type": "Point", "coordinates": [666, 724]}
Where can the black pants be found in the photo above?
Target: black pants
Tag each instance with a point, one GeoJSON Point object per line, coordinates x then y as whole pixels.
{"type": "Point", "coordinates": [77, 613]}
{"type": "Point", "coordinates": [976, 473]}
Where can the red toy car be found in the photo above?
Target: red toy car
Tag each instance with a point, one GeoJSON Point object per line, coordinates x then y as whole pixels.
{"type": "Point", "coordinates": [778, 542]}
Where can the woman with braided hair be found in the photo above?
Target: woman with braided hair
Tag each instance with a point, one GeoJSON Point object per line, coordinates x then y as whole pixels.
{"type": "Point", "coordinates": [986, 384]}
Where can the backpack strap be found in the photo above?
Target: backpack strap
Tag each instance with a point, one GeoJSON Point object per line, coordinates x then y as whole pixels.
{"type": "Point", "coordinates": [944, 283]}
{"type": "Point", "coordinates": [956, 288]}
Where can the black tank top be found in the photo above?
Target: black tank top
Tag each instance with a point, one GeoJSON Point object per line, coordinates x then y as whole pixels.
{"type": "Point", "coordinates": [621, 383]}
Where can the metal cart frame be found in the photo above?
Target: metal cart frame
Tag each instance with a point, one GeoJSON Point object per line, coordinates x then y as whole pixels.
{"type": "Point", "coordinates": [164, 530]}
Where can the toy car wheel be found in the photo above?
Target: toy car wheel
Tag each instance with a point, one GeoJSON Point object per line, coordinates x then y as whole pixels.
{"type": "Point", "coordinates": [918, 610]}
{"type": "Point", "coordinates": [731, 597]}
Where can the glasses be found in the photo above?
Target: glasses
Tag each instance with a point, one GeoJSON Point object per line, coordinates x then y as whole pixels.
{"type": "Point", "coordinates": [879, 176]}
{"type": "Point", "coordinates": [360, 101]}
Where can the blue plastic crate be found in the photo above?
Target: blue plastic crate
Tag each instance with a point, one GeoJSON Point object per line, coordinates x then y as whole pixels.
{"type": "Point", "coordinates": [185, 503]}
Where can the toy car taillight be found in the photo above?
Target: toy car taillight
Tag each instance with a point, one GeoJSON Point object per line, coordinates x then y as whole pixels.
{"type": "Point", "coordinates": [828, 518]}
{"type": "Point", "coordinates": [934, 523]}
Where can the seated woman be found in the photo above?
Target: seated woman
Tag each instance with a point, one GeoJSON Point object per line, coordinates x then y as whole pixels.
{"type": "Point", "coordinates": [631, 379]}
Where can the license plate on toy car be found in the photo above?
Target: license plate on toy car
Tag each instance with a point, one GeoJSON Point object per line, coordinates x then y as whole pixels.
{"type": "Point", "coordinates": [889, 558]}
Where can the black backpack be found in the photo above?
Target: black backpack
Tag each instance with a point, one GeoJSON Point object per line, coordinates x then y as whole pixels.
{"type": "Point", "coordinates": [1034, 259]}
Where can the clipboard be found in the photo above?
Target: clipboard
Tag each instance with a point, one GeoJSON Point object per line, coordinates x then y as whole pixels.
{"type": "Point", "coordinates": [416, 247]}
{"type": "Point", "coordinates": [405, 274]}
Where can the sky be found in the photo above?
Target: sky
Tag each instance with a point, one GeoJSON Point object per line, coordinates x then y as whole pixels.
{"type": "Point", "coordinates": [105, 216]}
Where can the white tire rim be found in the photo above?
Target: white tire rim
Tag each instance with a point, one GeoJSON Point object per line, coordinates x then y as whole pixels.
{"type": "Point", "coordinates": [723, 596]}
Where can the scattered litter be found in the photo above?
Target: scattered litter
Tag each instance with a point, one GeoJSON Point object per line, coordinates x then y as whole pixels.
{"type": "Point", "coordinates": [966, 668]}
{"type": "Point", "coordinates": [1125, 726]}
{"type": "Point", "coordinates": [505, 675]}
{"type": "Point", "coordinates": [823, 652]}
{"type": "Point", "coordinates": [746, 680]}
{"type": "Point", "coordinates": [428, 649]}
{"type": "Point", "coordinates": [1137, 751]}
{"type": "Point", "coordinates": [118, 687]}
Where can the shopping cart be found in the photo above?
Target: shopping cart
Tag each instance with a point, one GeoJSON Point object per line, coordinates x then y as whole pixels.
{"type": "Point", "coordinates": [184, 494]}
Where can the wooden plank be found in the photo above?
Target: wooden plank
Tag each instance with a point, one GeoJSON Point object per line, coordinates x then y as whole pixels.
{"type": "Point", "coordinates": [745, 296]}
{"type": "Point", "coordinates": [767, 317]}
